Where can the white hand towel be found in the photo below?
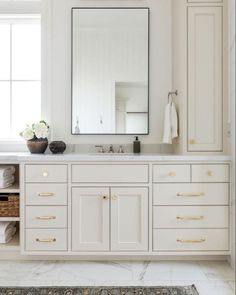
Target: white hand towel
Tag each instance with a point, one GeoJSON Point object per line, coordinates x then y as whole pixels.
{"type": "Point", "coordinates": [5, 225]}
{"type": "Point", "coordinates": [6, 171]}
{"type": "Point", "coordinates": [170, 123]}
{"type": "Point", "coordinates": [7, 182]}
{"type": "Point", "coordinates": [9, 235]}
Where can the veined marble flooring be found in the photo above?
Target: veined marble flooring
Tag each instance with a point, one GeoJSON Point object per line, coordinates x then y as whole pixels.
{"type": "Point", "coordinates": [210, 277]}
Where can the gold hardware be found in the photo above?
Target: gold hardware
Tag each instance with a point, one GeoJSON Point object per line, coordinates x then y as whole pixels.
{"type": "Point", "coordinates": [46, 240]}
{"type": "Point", "coordinates": [172, 174]}
{"type": "Point", "coordinates": [114, 198]}
{"type": "Point", "coordinates": [192, 141]}
{"type": "Point", "coordinates": [210, 173]}
{"type": "Point", "coordinates": [190, 194]}
{"type": "Point", "coordinates": [105, 197]}
{"type": "Point", "coordinates": [191, 241]}
{"type": "Point", "coordinates": [45, 194]}
{"type": "Point", "coordinates": [45, 174]}
{"type": "Point", "coordinates": [190, 217]}
{"type": "Point", "coordinates": [45, 217]}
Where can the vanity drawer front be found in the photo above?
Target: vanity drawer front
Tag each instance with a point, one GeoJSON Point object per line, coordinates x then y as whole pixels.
{"type": "Point", "coordinates": [46, 194]}
{"type": "Point", "coordinates": [46, 240]}
{"type": "Point", "coordinates": [46, 216]}
{"type": "Point", "coordinates": [171, 173]}
{"type": "Point", "coordinates": [190, 240]}
{"type": "Point", "coordinates": [110, 173]}
{"type": "Point", "coordinates": [46, 173]}
{"type": "Point", "coordinates": [191, 217]}
{"type": "Point", "coordinates": [191, 194]}
{"type": "Point", "coordinates": [210, 173]}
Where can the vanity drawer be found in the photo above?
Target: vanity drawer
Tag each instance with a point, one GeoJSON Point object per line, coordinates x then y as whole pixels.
{"type": "Point", "coordinates": [191, 194]}
{"type": "Point", "coordinates": [191, 217]}
{"type": "Point", "coordinates": [46, 194]}
{"type": "Point", "coordinates": [190, 240]}
{"type": "Point", "coordinates": [46, 216]}
{"type": "Point", "coordinates": [110, 173]}
{"type": "Point", "coordinates": [210, 173]}
{"type": "Point", "coordinates": [171, 173]}
{"type": "Point", "coordinates": [46, 240]}
{"type": "Point", "coordinates": [46, 173]}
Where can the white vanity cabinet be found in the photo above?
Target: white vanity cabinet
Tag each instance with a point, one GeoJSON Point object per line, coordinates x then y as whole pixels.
{"type": "Point", "coordinates": [115, 208]}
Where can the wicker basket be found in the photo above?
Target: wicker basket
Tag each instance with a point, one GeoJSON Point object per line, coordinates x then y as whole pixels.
{"type": "Point", "coordinates": [9, 205]}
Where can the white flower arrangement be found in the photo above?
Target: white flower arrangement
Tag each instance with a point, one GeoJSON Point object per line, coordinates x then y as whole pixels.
{"type": "Point", "coordinates": [39, 130]}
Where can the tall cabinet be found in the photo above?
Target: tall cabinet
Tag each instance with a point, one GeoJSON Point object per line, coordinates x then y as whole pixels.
{"type": "Point", "coordinates": [199, 75]}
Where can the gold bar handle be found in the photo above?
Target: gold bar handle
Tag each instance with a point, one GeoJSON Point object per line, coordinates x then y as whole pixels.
{"type": "Point", "coordinates": [45, 194]}
{"type": "Point", "coordinates": [190, 194]}
{"type": "Point", "coordinates": [45, 217]}
{"type": "Point", "coordinates": [46, 240]}
{"type": "Point", "coordinates": [190, 217]}
{"type": "Point", "coordinates": [191, 241]}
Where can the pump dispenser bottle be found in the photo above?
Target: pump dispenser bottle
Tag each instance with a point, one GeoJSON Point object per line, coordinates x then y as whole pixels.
{"type": "Point", "coordinates": [136, 145]}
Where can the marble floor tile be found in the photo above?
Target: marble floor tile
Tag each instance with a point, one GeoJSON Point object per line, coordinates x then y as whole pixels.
{"type": "Point", "coordinates": [217, 270]}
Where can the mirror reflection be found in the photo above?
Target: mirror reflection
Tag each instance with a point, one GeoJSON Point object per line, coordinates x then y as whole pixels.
{"type": "Point", "coordinates": [110, 71]}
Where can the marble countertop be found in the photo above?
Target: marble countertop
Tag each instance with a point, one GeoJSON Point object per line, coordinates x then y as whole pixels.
{"type": "Point", "coordinates": [69, 157]}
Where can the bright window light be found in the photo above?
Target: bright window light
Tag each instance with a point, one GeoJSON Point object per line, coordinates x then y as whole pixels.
{"type": "Point", "coordinates": [20, 74]}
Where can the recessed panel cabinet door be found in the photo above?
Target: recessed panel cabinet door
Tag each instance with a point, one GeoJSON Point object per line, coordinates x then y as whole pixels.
{"type": "Point", "coordinates": [205, 79]}
{"type": "Point", "coordinates": [90, 219]}
{"type": "Point", "coordinates": [129, 219]}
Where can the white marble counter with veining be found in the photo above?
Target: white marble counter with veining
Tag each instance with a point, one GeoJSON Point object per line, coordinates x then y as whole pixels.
{"type": "Point", "coordinates": [94, 157]}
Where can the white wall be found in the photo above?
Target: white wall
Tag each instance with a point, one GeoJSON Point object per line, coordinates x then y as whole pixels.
{"type": "Point", "coordinates": [160, 68]}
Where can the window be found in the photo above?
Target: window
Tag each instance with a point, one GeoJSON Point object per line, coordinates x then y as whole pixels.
{"type": "Point", "coordinates": [20, 73]}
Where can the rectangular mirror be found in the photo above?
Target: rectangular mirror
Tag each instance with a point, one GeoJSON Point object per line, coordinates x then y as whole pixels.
{"type": "Point", "coordinates": [110, 90]}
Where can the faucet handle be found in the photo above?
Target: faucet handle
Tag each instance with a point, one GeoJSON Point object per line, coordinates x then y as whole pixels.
{"type": "Point", "coordinates": [121, 150]}
{"type": "Point", "coordinates": [101, 149]}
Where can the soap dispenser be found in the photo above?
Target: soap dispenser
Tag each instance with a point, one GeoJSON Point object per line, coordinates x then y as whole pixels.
{"type": "Point", "coordinates": [136, 145]}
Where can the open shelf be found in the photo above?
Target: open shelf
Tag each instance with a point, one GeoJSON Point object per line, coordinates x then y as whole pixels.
{"type": "Point", "coordinates": [14, 189]}
{"type": "Point", "coordinates": [13, 245]}
{"type": "Point", "coordinates": [9, 219]}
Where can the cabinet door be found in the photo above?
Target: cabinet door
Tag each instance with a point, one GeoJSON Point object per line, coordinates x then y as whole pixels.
{"type": "Point", "coordinates": [90, 219]}
{"type": "Point", "coordinates": [205, 79]}
{"type": "Point", "coordinates": [129, 219]}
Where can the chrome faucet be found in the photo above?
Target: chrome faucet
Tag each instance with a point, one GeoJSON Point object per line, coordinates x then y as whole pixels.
{"type": "Point", "coordinates": [101, 149]}
{"type": "Point", "coordinates": [111, 149]}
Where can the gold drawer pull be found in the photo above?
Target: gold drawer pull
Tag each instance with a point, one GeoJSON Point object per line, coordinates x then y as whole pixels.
{"type": "Point", "coordinates": [210, 173]}
{"type": "Point", "coordinates": [105, 197]}
{"type": "Point", "coordinates": [45, 194]}
{"type": "Point", "coordinates": [45, 217]}
{"type": "Point", "coordinates": [172, 174]}
{"type": "Point", "coordinates": [190, 217]}
{"type": "Point", "coordinates": [46, 240]}
{"type": "Point", "coordinates": [191, 241]}
{"type": "Point", "coordinates": [190, 194]}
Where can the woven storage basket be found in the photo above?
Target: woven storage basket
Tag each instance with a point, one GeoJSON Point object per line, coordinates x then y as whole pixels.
{"type": "Point", "coordinates": [9, 205]}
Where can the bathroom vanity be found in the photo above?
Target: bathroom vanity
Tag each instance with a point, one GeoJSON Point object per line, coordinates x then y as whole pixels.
{"type": "Point", "coordinates": [127, 205]}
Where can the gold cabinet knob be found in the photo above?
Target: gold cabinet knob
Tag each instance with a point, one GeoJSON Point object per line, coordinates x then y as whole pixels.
{"type": "Point", "coordinates": [210, 173]}
{"type": "Point", "coordinates": [105, 197]}
{"type": "Point", "coordinates": [192, 141]}
{"type": "Point", "coordinates": [45, 174]}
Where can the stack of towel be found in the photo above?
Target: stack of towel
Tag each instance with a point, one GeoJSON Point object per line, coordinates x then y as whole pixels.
{"type": "Point", "coordinates": [7, 176]}
{"type": "Point", "coordinates": [7, 231]}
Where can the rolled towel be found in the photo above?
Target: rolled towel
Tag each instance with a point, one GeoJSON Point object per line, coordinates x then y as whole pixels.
{"type": "Point", "coordinates": [6, 171]}
{"type": "Point", "coordinates": [5, 225]}
{"type": "Point", "coordinates": [8, 236]}
{"type": "Point", "coordinates": [7, 182]}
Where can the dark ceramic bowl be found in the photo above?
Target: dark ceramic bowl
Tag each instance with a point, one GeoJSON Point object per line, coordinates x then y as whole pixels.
{"type": "Point", "coordinates": [57, 147]}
